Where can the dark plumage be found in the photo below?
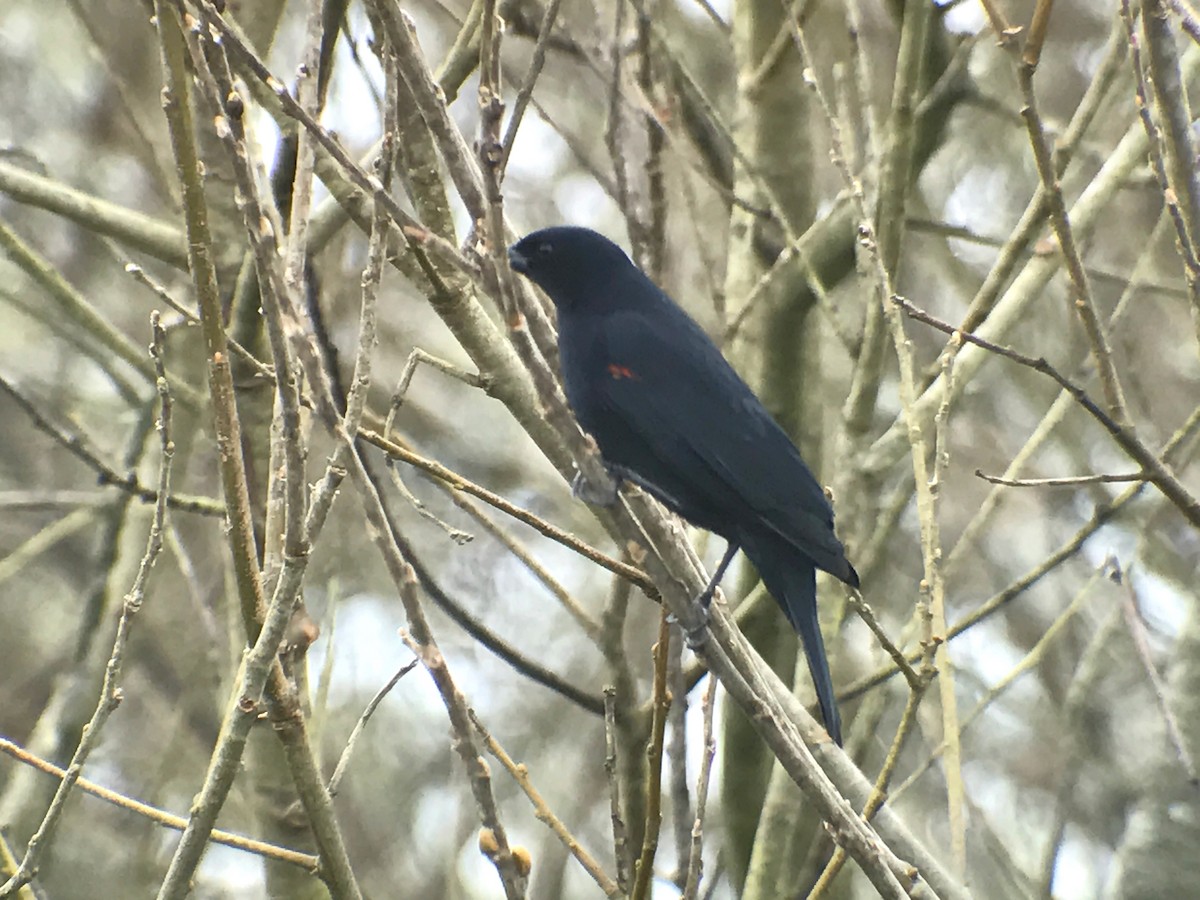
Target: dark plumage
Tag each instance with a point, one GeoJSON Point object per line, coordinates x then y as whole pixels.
{"type": "Point", "coordinates": [670, 414]}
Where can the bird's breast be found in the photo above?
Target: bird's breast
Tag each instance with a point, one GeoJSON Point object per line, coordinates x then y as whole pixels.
{"type": "Point", "coordinates": [583, 356]}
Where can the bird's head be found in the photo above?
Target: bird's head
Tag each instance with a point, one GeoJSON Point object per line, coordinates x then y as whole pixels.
{"type": "Point", "coordinates": [574, 266]}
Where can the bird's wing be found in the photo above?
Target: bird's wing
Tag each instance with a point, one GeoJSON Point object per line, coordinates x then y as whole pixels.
{"type": "Point", "coordinates": [669, 386]}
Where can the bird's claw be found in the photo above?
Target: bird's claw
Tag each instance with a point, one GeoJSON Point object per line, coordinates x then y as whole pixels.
{"type": "Point", "coordinates": [697, 636]}
{"type": "Point", "coordinates": [595, 494]}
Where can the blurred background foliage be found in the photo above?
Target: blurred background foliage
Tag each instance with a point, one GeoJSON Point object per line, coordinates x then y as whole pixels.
{"type": "Point", "coordinates": [1074, 784]}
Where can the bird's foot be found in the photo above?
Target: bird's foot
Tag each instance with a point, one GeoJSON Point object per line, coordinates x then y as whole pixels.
{"type": "Point", "coordinates": [603, 494]}
{"type": "Point", "coordinates": [697, 636]}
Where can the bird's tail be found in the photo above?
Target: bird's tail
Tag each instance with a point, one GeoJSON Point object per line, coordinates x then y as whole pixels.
{"type": "Point", "coordinates": [792, 581]}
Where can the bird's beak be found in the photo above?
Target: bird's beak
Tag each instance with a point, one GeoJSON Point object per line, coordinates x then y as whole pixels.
{"type": "Point", "coordinates": [517, 260]}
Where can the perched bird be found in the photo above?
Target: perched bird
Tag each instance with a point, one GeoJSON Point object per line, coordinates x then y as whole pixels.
{"type": "Point", "coordinates": [671, 415]}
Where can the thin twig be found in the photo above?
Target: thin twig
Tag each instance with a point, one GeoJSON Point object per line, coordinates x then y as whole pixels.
{"type": "Point", "coordinates": [1156, 470]}
{"type": "Point", "coordinates": [1083, 301]}
{"type": "Point", "coordinates": [417, 357]}
{"type": "Point", "coordinates": [437, 470]}
{"type": "Point", "coordinates": [520, 774]}
{"type": "Point", "coordinates": [296, 251]}
{"type": "Point", "coordinates": [111, 691]}
{"type": "Point", "coordinates": [612, 775]}
{"type": "Point", "coordinates": [1030, 661]}
{"type": "Point", "coordinates": [695, 865]}
{"type": "Point", "coordinates": [1175, 181]}
{"type": "Point", "coordinates": [1178, 144]}
{"type": "Point", "coordinates": [264, 626]}
{"type": "Point", "coordinates": [794, 253]}
{"type": "Point", "coordinates": [882, 245]}
{"type": "Point", "coordinates": [77, 445]}
{"type": "Point", "coordinates": [1102, 516]}
{"type": "Point", "coordinates": [1085, 685]}
{"type": "Point", "coordinates": [466, 176]}
{"type": "Point", "coordinates": [651, 162]}
{"type": "Point", "coordinates": [860, 606]}
{"type": "Point", "coordinates": [160, 817]}
{"type": "Point", "coordinates": [568, 602]}
{"type": "Point", "coordinates": [455, 534]}
{"type": "Point", "coordinates": [612, 126]}
{"type": "Point", "coordinates": [420, 640]}
{"type": "Point", "coordinates": [339, 771]}
{"type": "Point", "coordinates": [677, 747]}
{"type": "Point", "coordinates": [76, 309]}
{"type": "Point", "coordinates": [1003, 31]}
{"type": "Point", "coordinates": [1137, 631]}
{"type": "Point", "coordinates": [142, 277]}
{"type": "Point", "coordinates": [415, 233]}
{"type": "Point", "coordinates": [644, 868]}
{"type": "Point", "coordinates": [715, 16]}
{"type": "Point", "coordinates": [968, 235]}
{"type": "Point", "coordinates": [879, 790]}
{"type": "Point", "coordinates": [1188, 17]}
{"type": "Point", "coordinates": [490, 149]}
{"type": "Point", "coordinates": [1069, 481]}
{"type": "Point", "coordinates": [176, 105]}
{"type": "Point", "coordinates": [525, 94]}
{"type": "Point", "coordinates": [965, 547]}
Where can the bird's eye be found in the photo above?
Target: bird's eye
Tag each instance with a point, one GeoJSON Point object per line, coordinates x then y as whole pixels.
{"type": "Point", "coordinates": [545, 248]}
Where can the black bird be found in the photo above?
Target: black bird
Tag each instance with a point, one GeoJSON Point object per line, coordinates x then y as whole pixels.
{"type": "Point", "coordinates": [670, 414]}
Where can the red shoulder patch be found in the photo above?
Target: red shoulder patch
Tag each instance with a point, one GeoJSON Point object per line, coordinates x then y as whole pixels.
{"type": "Point", "coordinates": [618, 371]}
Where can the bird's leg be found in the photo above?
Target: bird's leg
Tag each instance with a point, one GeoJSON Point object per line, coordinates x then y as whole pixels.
{"type": "Point", "coordinates": [596, 494]}
{"type": "Point", "coordinates": [696, 637]}
{"type": "Point", "coordinates": [706, 597]}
